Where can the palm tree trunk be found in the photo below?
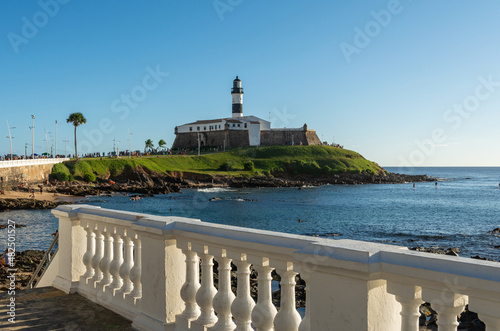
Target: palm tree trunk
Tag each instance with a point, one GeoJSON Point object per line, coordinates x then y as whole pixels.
{"type": "Point", "coordinates": [76, 150]}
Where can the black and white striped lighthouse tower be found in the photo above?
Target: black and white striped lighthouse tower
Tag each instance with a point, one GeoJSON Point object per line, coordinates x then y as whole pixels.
{"type": "Point", "coordinates": [237, 94]}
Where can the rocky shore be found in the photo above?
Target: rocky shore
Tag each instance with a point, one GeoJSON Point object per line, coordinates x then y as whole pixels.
{"type": "Point", "coordinates": [138, 181]}
{"type": "Point", "coordinates": [26, 263]}
{"type": "Point", "coordinates": [19, 203]}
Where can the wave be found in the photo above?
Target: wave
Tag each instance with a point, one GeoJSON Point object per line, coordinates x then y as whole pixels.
{"type": "Point", "coordinates": [215, 189]}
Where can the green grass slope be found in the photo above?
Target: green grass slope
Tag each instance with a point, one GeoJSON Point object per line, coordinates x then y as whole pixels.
{"type": "Point", "coordinates": [274, 160]}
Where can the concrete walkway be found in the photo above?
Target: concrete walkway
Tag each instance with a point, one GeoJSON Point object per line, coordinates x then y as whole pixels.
{"type": "Point", "coordinates": [50, 309]}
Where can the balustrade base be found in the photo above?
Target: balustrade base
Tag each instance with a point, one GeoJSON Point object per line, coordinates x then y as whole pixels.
{"type": "Point", "coordinates": [147, 323]}
{"type": "Point", "coordinates": [198, 327]}
{"type": "Point", "coordinates": [65, 285]}
{"type": "Point", "coordinates": [182, 323]}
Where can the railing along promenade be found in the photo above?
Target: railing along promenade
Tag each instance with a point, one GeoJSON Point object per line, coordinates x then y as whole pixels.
{"type": "Point", "coordinates": [30, 162]}
{"type": "Point", "coordinates": [147, 268]}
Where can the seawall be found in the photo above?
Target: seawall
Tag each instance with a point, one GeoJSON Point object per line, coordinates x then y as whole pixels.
{"type": "Point", "coordinates": [14, 173]}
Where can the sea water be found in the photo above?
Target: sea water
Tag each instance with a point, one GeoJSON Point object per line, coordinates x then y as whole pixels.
{"type": "Point", "coordinates": [458, 212]}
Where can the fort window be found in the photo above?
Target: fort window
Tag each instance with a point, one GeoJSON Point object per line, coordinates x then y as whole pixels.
{"type": "Point", "coordinates": [234, 125]}
{"type": "Point", "coordinates": [204, 128]}
{"type": "Point", "coordinates": [239, 125]}
{"type": "Point", "coordinates": [245, 125]}
{"type": "Point", "coordinates": [190, 128]}
{"type": "Point", "coordinates": [198, 128]}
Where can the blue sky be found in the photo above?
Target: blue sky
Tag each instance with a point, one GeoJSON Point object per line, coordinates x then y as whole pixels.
{"type": "Point", "coordinates": [401, 82]}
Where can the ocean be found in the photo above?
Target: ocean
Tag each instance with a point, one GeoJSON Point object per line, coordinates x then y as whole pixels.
{"type": "Point", "coordinates": [458, 212]}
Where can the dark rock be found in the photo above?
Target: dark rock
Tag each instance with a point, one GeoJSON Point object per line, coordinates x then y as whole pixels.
{"type": "Point", "coordinates": [497, 230]}
{"type": "Point", "coordinates": [17, 204]}
{"type": "Point", "coordinates": [437, 250]}
{"type": "Point", "coordinates": [4, 226]}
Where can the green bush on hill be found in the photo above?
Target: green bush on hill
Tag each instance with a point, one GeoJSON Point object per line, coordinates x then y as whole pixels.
{"type": "Point", "coordinates": [61, 173]}
{"type": "Point", "coordinates": [249, 166]}
{"type": "Point", "coordinates": [89, 177]}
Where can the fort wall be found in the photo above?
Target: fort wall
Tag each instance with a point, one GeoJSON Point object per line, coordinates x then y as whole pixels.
{"type": "Point", "coordinates": [240, 138]}
{"type": "Point", "coordinates": [228, 138]}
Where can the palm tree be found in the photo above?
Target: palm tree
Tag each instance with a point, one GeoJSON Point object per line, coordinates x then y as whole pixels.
{"type": "Point", "coordinates": [149, 144]}
{"type": "Point", "coordinates": [161, 143]}
{"type": "Point", "coordinates": [76, 119]}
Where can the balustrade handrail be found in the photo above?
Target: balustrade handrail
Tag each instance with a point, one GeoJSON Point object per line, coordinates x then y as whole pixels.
{"type": "Point", "coordinates": [30, 162]}
{"type": "Point", "coordinates": [393, 276]}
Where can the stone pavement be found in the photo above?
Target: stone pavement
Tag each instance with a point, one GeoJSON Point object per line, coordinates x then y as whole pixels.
{"type": "Point", "coordinates": [50, 309]}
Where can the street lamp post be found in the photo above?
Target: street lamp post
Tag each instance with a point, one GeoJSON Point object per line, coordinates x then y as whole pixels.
{"type": "Point", "coordinates": [117, 149]}
{"type": "Point", "coordinates": [65, 145]}
{"type": "Point", "coordinates": [10, 138]}
{"type": "Point", "coordinates": [47, 141]}
{"type": "Point", "coordinates": [56, 141]}
{"type": "Point", "coordinates": [129, 144]}
{"type": "Point", "coordinates": [33, 137]}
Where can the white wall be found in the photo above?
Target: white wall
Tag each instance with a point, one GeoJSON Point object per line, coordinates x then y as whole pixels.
{"type": "Point", "coordinates": [254, 134]}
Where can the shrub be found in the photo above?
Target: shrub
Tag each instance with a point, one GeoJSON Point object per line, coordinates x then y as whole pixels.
{"type": "Point", "coordinates": [60, 176]}
{"type": "Point", "coordinates": [89, 177]}
{"type": "Point", "coordinates": [249, 166]}
{"type": "Point", "coordinates": [226, 167]}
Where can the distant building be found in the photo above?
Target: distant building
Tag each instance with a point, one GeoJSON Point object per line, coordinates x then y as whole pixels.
{"type": "Point", "coordinates": [239, 130]}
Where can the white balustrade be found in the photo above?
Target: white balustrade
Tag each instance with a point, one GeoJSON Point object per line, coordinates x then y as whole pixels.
{"type": "Point", "coordinates": [224, 297]}
{"type": "Point", "coordinates": [287, 319]}
{"type": "Point", "coordinates": [136, 271]}
{"type": "Point", "coordinates": [87, 258]}
{"type": "Point", "coordinates": [191, 286]}
{"type": "Point", "coordinates": [99, 254]}
{"type": "Point", "coordinates": [127, 265]}
{"type": "Point", "coordinates": [264, 311]}
{"type": "Point", "coordinates": [305, 325]}
{"type": "Point", "coordinates": [23, 163]}
{"type": "Point", "coordinates": [106, 260]}
{"type": "Point", "coordinates": [116, 263]}
{"type": "Point", "coordinates": [410, 298]}
{"type": "Point", "coordinates": [149, 267]}
{"type": "Point", "coordinates": [243, 304]}
{"type": "Point", "coordinates": [206, 292]}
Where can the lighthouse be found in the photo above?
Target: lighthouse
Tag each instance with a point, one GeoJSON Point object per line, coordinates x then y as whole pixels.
{"type": "Point", "coordinates": [237, 94]}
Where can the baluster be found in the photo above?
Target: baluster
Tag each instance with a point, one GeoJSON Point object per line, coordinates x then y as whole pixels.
{"type": "Point", "coordinates": [448, 305]}
{"type": "Point", "coordinates": [191, 286]}
{"type": "Point", "coordinates": [288, 318]}
{"type": "Point", "coordinates": [87, 257]}
{"type": "Point", "coordinates": [305, 325]}
{"type": "Point", "coordinates": [106, 260]}
{"type": "Point", "coordinates": [136, 271]}
{"type": "Point", "coordinates": [488, 311]}
{"type": "Point", "coordinates": [127, 265]}
{"type": "Point", "coordinates": [99, 254]}
{"type": "Point", "coordinates": [410, 298]}
{"type": "Point", "coordinates": [207, 291]}
{"type": "Point", "coordinates": [114, 267]}
{"type": "Point", "coordinates": [264, 311]}
{"type": "Point", "coordinates": [243, 304]}
{"type": "Point", "coordinates": [224, 297]}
